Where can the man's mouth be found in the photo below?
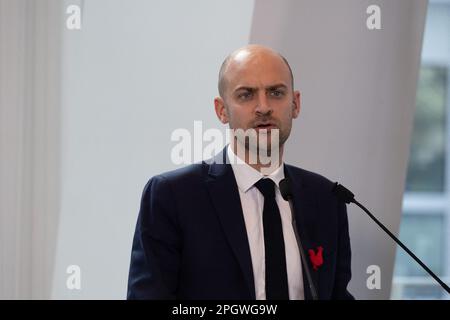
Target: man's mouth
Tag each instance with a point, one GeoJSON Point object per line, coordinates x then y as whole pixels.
{"type": "Point", "coordinates": [267, 126]}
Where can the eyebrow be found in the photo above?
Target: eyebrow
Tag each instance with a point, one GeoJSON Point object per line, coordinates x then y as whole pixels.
{"type": "Point", "coordinates": [271, 87]}
{"type": "Point", "coordinates": [277, 86]}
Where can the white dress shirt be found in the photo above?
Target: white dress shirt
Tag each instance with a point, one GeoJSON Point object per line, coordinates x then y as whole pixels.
{"type": "Point", "coordinates": [252, 202]}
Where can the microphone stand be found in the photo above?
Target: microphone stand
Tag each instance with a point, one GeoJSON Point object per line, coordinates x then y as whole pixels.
{"type": "Point", "coordinates": [312, 288]}
{"type": "Point", "coordinates": [348, 197]}
{"type": "Point", "coordinates": [286, 193]}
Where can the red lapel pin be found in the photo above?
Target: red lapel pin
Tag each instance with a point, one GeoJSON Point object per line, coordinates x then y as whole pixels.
{"type": "Point", "coordinates": [316, 257]}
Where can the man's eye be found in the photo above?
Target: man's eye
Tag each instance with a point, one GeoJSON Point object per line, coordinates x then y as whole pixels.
{"type": "Point", "coordinates": [245, 95]}
{"type": "Point", "coordinates": [276, 93]}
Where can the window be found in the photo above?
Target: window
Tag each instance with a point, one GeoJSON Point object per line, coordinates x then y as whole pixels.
{"type": "Point", "coordinates": [425, 225]}
{"type": "Point", "coordinates": [427, 158]}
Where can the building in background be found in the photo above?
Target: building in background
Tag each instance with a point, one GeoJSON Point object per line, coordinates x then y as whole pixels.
{"type": "Point", "coordinates": [425, 225]}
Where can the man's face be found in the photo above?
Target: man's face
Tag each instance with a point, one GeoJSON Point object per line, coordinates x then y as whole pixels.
{"type": "Point", "coordinates": [258, 95]}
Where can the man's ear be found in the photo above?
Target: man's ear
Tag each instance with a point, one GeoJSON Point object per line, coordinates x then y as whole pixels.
{"type": "Point", "coordinates": [296, 102]}
{"type": "Point", "coordinates": [221, 110]}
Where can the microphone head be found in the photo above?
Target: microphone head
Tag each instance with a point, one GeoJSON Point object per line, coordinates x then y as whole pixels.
{"type": "Point", "coordinates": [343, 193]}
{"type": "Point", "coordinates": [285, 189]}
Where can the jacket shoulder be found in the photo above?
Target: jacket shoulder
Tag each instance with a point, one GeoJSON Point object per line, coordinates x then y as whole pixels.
{"type": "Point", "coordinates": [188, 172]}
{"type": "Point", "coordinates": [181, 176]}
{"type": "Point", "coordinates": [308, 178]}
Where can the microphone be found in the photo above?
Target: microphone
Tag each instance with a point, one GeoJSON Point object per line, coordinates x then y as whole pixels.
{"type": "Point", "coordinates": [286, 193]}
{"type": "Point", "coordinates": [347, 196]}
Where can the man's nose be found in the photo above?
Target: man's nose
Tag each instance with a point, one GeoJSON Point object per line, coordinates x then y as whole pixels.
{"type": "Point", "coordinates": [263, 105]}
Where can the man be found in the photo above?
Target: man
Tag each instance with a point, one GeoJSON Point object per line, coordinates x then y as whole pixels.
{"type": "Point", "coordinates": [221, 229]}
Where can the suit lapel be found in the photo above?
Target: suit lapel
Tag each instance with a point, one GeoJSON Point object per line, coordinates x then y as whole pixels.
{"type": "Point", "coordinates": [305, 207]}
{"type": "Point", "coordinates": [223, 190]}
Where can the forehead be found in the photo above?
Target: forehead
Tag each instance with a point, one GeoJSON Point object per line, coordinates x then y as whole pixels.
{"type": "Point", "coordinates": [256, 70]}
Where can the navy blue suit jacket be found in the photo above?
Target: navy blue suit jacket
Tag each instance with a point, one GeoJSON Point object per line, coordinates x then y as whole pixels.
{"type": "Point", "coordinates": [191, 243]}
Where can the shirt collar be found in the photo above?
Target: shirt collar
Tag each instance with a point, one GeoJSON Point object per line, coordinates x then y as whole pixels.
{"type": "Point", "coordinates": [246, 176]}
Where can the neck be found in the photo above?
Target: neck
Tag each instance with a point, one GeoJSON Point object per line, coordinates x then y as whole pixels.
{"type": "Point", "coordinates": [256, 161]}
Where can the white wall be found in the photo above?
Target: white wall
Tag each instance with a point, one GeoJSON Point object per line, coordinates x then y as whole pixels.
{"type": "Point", "coordinates": [136, 71]}
{"type": "Point", "coordinates": [358, 100]}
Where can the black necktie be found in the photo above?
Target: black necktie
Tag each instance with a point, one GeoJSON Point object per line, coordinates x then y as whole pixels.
{"type": "Point", "coordinates": [276, 275]}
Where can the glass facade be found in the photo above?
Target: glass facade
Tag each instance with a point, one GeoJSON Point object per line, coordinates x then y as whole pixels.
{"type": "Point", "coordinates": [425, 221]}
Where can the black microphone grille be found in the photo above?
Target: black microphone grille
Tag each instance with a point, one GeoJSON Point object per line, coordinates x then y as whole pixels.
{"type": "Point", "coordinates": [285, 189]}
{"type": "Point", "coordinates": [343, 193]}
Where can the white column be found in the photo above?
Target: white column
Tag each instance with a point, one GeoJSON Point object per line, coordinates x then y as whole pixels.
{"type": "Point", "coordinates": [29, 145]}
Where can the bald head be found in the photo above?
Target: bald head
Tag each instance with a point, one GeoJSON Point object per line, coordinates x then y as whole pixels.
{"type": "Point", "coordinates": [248, 54]}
